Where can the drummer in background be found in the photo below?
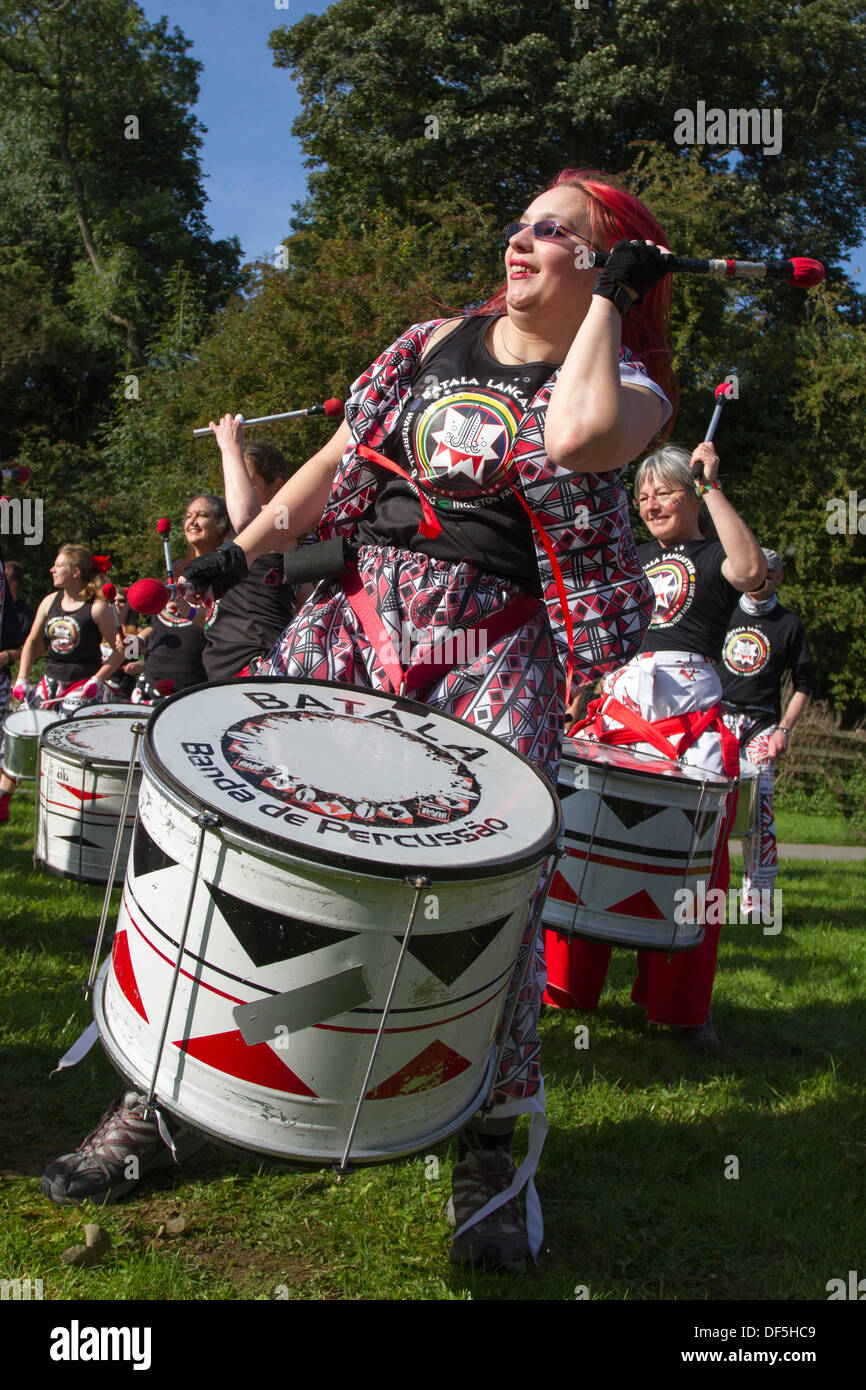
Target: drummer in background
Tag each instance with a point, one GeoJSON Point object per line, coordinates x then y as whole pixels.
{"type": "Point", "coordinates": [763, 641]}
{"type": "Point", "coordinates": [244, 624]}
{"type": "Point", "coordinates": [175, 639]}
{"type": "Point", "coordinates": [430, 482]}
{"type": "Point", "coordinates": [122, 683]}
{"type": "Point", "coordinates": [697, 583]}
{"type": "Point", "coordinates": [72, 620]}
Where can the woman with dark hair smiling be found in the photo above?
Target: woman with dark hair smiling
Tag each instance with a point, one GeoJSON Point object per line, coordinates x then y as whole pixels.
{"type": "Point", "coordinates": [489, 499]}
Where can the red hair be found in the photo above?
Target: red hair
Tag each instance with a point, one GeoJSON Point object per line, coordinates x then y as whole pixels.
{"type": "Point", "coordinates": [616, 215]}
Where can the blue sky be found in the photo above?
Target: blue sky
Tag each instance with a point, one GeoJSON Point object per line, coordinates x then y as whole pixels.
{"type": "Point", "coordinates": [253, 165]}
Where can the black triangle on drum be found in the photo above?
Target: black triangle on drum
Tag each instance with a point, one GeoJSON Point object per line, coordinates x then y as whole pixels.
{"type": "Point", "coordinates": [268, 936]}
{"type": "Point", "coordinates": [699, 819]}
{"type": "Point", "coordinates": [448, 954]}
{"type": "Point", "coordinates": [76, 840]}
{"type": "Point", "coordinates": [631, 813]}
{"type": "Point", "coordinates": [147, 857]}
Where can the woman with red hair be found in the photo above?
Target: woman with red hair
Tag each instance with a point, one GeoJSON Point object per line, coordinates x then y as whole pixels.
{"type": "Point", "coordinates": [479, 474]}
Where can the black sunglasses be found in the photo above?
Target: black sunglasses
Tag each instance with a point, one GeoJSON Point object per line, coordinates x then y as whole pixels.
{"type": "Point", "coordinates": [548, 229]}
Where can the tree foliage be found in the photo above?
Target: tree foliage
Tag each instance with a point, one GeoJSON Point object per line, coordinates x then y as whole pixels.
{"type": "Point", "coordinates": [102, 197]}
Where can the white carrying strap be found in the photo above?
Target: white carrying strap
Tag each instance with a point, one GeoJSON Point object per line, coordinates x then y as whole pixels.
{"type": "Point", "coordinates": [525, 1175]}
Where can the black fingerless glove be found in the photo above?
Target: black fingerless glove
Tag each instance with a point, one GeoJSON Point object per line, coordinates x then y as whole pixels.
{"type": "Point", "coordinates": [631, 265]}
{"type": "Point", "coordinates": [219, 571]}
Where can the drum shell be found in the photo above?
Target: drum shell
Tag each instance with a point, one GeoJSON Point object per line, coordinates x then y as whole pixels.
{"type": "Point", "coordinates": [625, 863]}
{"type": "Point", "coordinates": [746, 814]}
{"type": "Point", "coordinates": [79, 803]}
{"type": "Point", "coordinates": [20, 753]}
{"type": "Point", "coordinates": [295, 1097]}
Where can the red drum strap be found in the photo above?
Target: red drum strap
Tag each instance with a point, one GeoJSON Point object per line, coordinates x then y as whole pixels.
{"type": "Point", "coordinates": [438, 661]}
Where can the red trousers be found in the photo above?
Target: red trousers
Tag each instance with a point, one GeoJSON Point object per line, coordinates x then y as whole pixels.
{"type": "Point", "coordinates": [675, 990]}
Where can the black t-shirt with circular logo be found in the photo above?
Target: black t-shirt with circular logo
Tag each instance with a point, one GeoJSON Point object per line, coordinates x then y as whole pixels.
{"type": "Point", "coordinates": [455, 438]}
{"type": "Point", "coordinates": [758, 649]}
{"type": "Point", "coordinates": [693, 599]}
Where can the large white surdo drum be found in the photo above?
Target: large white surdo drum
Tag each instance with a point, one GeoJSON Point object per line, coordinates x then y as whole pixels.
{"type": "Point", "coordinates": [21, 734]}
{"type": "Point", "coordinates": [638, 830]}
{"type": "Point", "coordinates": [323, 815]}
{"type": "Point", "coordinates": [82, 777]}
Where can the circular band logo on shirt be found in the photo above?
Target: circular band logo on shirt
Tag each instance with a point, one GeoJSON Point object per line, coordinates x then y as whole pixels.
{"type": "Point", "coordinates": [399, 781]}
{"type": "Point", "coordinates": [673, 581]}
{"type": "Point", "coordinates": [462, 444]}
{"type": "Point", "coordinates": [64, 634]}
{"type": "Point", "coordinates": [746, 651]}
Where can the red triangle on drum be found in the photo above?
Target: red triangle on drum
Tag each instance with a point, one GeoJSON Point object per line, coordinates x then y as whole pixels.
{"type": "Point", "coordinates": [229, 1053]}
{"type": "Point", "coordinates": [84, 796]}
{"type": "Point", "coordinates": [639, 905]}
{"type": "Point", "coordinates": [437, 1064]}
{"type": "Point", "coordinates": [562, 891]}
{"type": "Point", "coordinates": [124, 973]}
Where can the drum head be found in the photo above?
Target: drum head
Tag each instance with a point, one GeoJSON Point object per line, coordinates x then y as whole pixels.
{"type": "Point", "coordinates": [634, 762]}
{"type": "Point", "coordinates": [93, 739]}
{"type": "Point", "coordinates": [29, 723]}
{"type": "Point", "coordinates": [90, 711]}
{"type": "Point", "coordinates": [334, 773]}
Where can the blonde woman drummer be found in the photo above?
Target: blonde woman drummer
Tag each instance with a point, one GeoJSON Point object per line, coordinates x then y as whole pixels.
{"type": "Point", "coordinates": [697, 584]}
{"type": "Point", "coordinates": [72, 622]}
{"type": "Point", "coordinates": [535, 402]}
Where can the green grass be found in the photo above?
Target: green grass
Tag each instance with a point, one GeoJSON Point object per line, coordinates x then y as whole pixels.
{"type": "Point", "coordinates": [808, 828]}
{"type": "Point", "coordinates": [632, 1182]}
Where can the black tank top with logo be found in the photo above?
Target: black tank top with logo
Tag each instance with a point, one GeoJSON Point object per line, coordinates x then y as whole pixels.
{"type": "Point", "coordinates": [454, 437]}
{"type": "Point", "coordinates": [74, 640]}
{"type": "Point", "coordinates": [174, 651]}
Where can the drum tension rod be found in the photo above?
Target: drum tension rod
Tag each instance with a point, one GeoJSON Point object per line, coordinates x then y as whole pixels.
{"type": "Point", "coordinates": [205, 821]}
{"type": "Point", "coordinates": [419, 882]}
{"type": "Point", "coordinates": [136, 729]}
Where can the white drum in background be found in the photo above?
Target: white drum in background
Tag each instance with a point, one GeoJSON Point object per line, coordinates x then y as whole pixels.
{"type": "Point", "coordinates": [637, 829]}
{"type": "Point", "coordinates": [21, 734]}
{"type": "Point", "coordinates": [747, 802]}
{"type": "Point", "coordinates": [82, 776]}
{"type": "Point", "coordinates": [328, 799]}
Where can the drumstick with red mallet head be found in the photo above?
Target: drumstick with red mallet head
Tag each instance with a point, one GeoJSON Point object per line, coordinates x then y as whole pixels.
{"type": "Point", "coordinates": [164, 688]}
{"type": "Point", "coordinates": [163, 527]}
{"type": "Point", "coordinates": [147, 596]}
{"type": "Point", "coordinates": [333, 408]}
{"type": "Point", "coordinates": [109, 593]}
{"type": "Point", "coordinates": [723, 392]}
{"type": "Point", "coordinates": [801, 272]}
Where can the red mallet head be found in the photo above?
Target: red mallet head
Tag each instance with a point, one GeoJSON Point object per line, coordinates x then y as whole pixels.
{"type": "Point", "coordinates": [163, 526]}
{"type": "Point", "coordinates": [724, 391]}
{"type": "Point", "coordinates": [147, 596]}
{"type": "Point", "coordinates": [164, 687]}
{"type": "Point", "coordinates": [804, 272]}
{"type": "Point", "coordinates": [334, 408]}
{"type": "Point", "coordinates": [109, 593]}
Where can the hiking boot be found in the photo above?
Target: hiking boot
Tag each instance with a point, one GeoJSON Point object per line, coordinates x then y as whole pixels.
{"type": "Point", "coordinates": [102, 1168]}
{"type": "Point", "coordinates": [500, 1240]}
{"type": "Point", "coordinates": [5, 798]}
{"type": "Point", "coordinates": [702, 1038]}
